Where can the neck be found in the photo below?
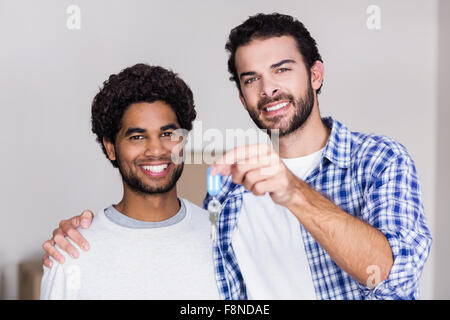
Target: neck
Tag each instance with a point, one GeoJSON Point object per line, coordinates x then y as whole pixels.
{"type": "Point", "coordinates": [149, 207]}
{"type": "Point", "coordinates": [309, 138]}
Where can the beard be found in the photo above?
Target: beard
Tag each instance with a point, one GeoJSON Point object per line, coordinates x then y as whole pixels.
{"type": "Point", "coordinates": [302, 110]}
{"type": "Point", "coordinates": [138, 186]}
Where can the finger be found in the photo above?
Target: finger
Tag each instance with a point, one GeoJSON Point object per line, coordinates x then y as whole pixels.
{"type": "Point", "coordinates": [239, 170]}
{"type": "Point", "coordinates": [64, 244]}
{"type": "Point", "coordinates": [260, 188]}
{"type": "Point", "coordinates": [253, 177]}
{"type": "Point", "coordinates": [241, 154]}
{"type": "Point", "coordinates": [83, 220]}
{"type": "Point", "coordinates": [46, 261]}
{"type": "Point", "coordinates": [68, 228]}
{"type": "Point", "coordinates": [76, 237]}
{"type": "Point", "coordinates": [86, 219]}
{"type": "Point", "coordinates": [236, 155]}
{"type": "Point", "coordinates": [53, 252]}
{"type": "Point", "coordinates": [222, 169]}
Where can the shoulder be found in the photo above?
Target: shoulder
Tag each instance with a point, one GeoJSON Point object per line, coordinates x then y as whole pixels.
{"type": "Point", "coordinates": [376, 152]}
{"type": "Point", "coordinates": [194, 209]}
{"type": "Point", "coordinates": [98, 225]}
{"type": "Point", "coordinates": [363, 148]}
{"type": "Point", "coordinates": [94, 234]}
{"type": "Point", "coordinates": [198, 214]}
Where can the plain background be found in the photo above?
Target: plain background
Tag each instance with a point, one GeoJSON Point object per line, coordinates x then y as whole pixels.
{"type": "Point", "coordinates": [392, 81]}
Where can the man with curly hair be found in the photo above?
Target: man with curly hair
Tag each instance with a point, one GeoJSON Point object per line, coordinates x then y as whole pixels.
{"type": "Point", "coordinates": [152, 244]}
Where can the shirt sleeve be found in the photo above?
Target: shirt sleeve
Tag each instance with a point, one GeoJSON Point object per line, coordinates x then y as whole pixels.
{"type": "Point", "coordinates": [60, 282]}
{"type": "Point", "coordinates": [206, 201]}
{"type": "Point", "coordinates": [394, 206]}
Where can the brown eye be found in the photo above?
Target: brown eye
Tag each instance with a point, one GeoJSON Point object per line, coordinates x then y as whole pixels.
{"type": "Point", "coordinates": [250, 80]}
{"type": "Point", "coordinates": [281, 70]}
{"type": "Point", "coordinates": [167, 134]}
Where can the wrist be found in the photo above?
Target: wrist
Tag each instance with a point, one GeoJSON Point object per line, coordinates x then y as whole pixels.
{"type": "Point", "coordinates": [297, 201]}
{"type": "Point", "coordinates": [307, 204]}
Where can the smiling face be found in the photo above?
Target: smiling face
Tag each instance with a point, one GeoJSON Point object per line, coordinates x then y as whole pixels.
{"type": "Point", "coordinates": [143, 148]}
{"type": "Point", "coordinates": [276, 88]}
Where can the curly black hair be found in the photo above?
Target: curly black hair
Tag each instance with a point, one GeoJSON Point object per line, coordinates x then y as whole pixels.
{"type": "Point", "coordinates": [139, 83]}
{"type": "Point", "coordinates": [263, 26]}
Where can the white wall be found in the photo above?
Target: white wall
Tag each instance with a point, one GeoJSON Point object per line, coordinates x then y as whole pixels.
{"type": "Point", "coordinates": [442, 236]}
{"type": "Point", "coordinates": [382, 81]}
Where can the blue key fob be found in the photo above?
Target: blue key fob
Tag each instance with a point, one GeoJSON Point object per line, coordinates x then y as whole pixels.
{"type": "Point", "coordinates": [213, 183]}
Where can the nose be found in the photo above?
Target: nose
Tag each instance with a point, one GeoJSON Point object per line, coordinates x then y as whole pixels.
{"type": "Point", "coordinates": [154, 148]}
{"type": "Point", "coordinates": [269, 88]}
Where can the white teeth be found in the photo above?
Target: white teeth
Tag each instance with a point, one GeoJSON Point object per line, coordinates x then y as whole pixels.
{"type": "Point", "coordinates": [278, 106]}
{"type": "Point", "coordinates": [156, 169]}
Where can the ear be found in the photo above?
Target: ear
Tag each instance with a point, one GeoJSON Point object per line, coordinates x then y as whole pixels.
{"type": "Point", "coordinates": [241, 97]}
{"type": "Point", "coordinates": [109, 146]}
{"type": "Point", "coordinates": [317, 74]}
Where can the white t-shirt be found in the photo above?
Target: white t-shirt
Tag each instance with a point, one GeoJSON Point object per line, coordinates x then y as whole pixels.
{"type": "Point", "coordinates": [167, 262]}
{"type": "Point", "coordinates": [268, 243]}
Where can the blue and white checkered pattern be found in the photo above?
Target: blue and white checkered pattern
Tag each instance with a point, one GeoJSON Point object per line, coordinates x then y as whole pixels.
{"type": "Point", "coordinates": [370, 177]}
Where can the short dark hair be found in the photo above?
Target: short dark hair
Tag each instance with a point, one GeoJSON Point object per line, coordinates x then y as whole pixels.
{"type": "Point", "coordinates": [139, 83]}
{"type": "Point", "coordinates": [263, 26]}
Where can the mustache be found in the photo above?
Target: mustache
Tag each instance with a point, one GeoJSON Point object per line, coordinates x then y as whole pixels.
{"type": "Point", "coordinates": [149, 159]}
{"type": "Point", "coordinates": [267, 100]}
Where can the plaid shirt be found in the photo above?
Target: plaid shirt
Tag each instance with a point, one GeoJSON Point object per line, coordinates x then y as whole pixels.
{"type": "Point", "coordinates": [370, 177]}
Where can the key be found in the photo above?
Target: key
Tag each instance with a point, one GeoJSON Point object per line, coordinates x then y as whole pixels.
{"type": "Point", "coordinates": [214, 208]}
{"type": "Point", "coordinates": [213, 186]}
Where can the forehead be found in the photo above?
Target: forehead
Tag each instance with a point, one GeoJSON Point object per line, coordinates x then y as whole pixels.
{"type": "Point", "coordinates": [149, 115]}
{"type": "Point", "coordinates": [261, 53]}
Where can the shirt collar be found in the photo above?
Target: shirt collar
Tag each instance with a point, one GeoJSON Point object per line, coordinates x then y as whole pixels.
{"type": "Point", "coordinates": [338, 147]}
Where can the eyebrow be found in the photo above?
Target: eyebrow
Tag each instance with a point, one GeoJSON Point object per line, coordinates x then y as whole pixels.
{"type": "Point", "coordinates": [278, 64]}
{"type": "Point", "coordinates": [250, 73]}
{"type": "Point", "coordinates": [133, 130]}
{"type": "Point", "coordinates": [273, 66]}
{"type": "Point", "coordinates": [168, 127]}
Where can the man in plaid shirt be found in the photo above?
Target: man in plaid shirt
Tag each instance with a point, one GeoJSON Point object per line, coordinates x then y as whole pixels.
{"type": "Point", "coordinates": [333, 214]}
{"type": "Point", "coordinates": [357, 207]}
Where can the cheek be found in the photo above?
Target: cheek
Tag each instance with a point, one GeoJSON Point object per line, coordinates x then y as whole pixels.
{"type": "Point", "coordinates": [175, 147]}
{"type": "Point", "coordinates": [129, 152]}
{"type": "Point", "coordinates": [251, 98]}
{"type": "Point", "coordinates": [300, 84]}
